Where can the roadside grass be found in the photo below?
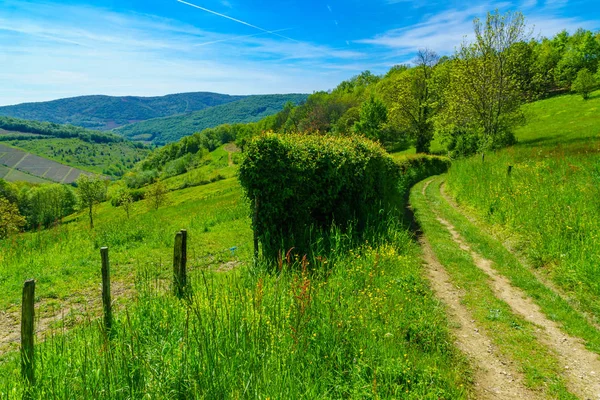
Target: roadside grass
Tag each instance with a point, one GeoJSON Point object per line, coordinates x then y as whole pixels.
{"type": "Point", "coordinates": [513, 335]}
{"type": "Point", "coordinates": [548, 205]}
{"type": "Point", "coordinates": [361, 323]}
{"type": "Point", "coordinates": [552, 304]}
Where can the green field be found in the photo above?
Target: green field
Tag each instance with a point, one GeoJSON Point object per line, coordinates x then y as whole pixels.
{"type": "Point", "coordinates": [362, 323]}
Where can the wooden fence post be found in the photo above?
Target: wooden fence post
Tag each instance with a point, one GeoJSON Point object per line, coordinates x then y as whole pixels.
{"type": "Point", "coordinates": [106, 301]}
{"type": "Point", "coordinates": [27, 335]}
{"type": "Point", "coordinates": [179, 263]}
{"type": "Point", "coordinates": [255, 227]}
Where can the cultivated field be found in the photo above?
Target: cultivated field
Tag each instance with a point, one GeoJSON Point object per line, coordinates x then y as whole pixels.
{"type": "Point", "coordinates": [20, 161]}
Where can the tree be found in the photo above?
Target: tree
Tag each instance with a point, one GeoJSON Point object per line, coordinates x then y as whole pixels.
{"type": "Point", "coordinates": [584, 83]}
{"type": "Point", "coordinates": [126, 201]}
{"type": "Point", "coordinates": [10, 220]}
{"type": "Point", "coordinates": [482, 97]}
{"type": "Point", "coordinates": [157, 195]}
{"type": "Point", "coordinates": [91, 190]}
{"type": "Point", "coordinates": [373, 114]}
{"type": "Point", "coordinates": [411, 99]}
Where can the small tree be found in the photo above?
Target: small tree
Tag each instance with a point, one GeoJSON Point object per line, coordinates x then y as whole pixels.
{"type": "Point", "coordinates": [584, 83]}
{"type": "Point", "coordinates": [91, 190]}
{"type": "Point", "coordinates": [157, 195]}
{"type": "Point", "coordinates": [126, 202]}
{"type": "Point", "coordinates": [10, 219]}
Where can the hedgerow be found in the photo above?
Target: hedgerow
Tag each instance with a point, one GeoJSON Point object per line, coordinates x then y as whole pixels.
{"type": "Point", "coordinates": [305, 184]}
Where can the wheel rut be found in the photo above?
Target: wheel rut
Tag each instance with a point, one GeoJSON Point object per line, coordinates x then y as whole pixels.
{"type": "Point", "coordinates": [494, 377]}
{"type": "Point", "coordinates": [581, 366]}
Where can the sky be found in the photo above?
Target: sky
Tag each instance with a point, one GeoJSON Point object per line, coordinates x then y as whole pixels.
{"type": "Point", "coordinates": [66, 48]}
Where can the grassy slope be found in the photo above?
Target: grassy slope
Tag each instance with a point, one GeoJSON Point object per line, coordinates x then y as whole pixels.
{"type": "Point", "coordinates": [548, 208]}
{"type": "Point", "coordinates": [93, 157]}
{"type": "Point", "coordinates": [171, 129]}
{"type": "Point", "coordinates": [364, 324]}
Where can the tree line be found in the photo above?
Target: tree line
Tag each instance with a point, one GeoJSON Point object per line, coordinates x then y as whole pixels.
{"type": "Point", "coordinates": [470, 100]}
{"type": "Point", "coordinates": [59, 131]}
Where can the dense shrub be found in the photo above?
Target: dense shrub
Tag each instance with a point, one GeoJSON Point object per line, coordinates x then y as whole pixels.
{"type": "Point", "coordinates": [416, 168]}
{"type": "Point", "coordinates": [306, 184]}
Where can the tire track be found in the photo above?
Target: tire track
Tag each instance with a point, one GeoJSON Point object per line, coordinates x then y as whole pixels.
{"type": "Point", "coordinates": [581, 366]}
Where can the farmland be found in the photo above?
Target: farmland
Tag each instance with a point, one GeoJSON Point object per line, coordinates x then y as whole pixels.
{"type": "Point", "coordinates": [22, 165]}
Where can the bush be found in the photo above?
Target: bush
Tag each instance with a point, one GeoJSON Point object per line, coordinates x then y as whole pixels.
{"type": "Point", "coordinates": [416, 168]}
{"type": "Point", "coordinates": [306, 184]}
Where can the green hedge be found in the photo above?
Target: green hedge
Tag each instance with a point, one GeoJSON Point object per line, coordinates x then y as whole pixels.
{"type": "Point", "coordinates": [415, 168]}
{"type": "Point", "coordinates": [304, 184]}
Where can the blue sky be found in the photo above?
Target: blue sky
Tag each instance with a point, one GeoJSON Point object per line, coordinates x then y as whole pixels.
{"type": "Point", "coordinates": [66, 48]}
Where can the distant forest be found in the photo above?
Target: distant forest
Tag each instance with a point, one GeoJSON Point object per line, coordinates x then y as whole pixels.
{"type": "Point", "coordinates": [470, 101]}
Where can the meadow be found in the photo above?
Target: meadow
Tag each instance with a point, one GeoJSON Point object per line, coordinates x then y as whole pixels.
{"type": "Point", "coordinates": [360, 322]}
{"type": "Point", "coordinates": [547, 206]}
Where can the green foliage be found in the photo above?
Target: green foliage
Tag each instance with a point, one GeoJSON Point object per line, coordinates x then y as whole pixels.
{"type": "Point", "coordinates": [373, 115]}
{"type": "Point", "coordinates": [112, 159]}
{"type": "Point", "coordinates": [482, 96]}
{"type": "Point", "coordinates": [363, 324]}
{"type": "Point", "coordinates": [91, 190]}
{"type": "Point", "coordinates": [305, 184]}
{"type": "Point", "coordinates": [107, 112]}
{"type": "Point", "coordinates": [415, 168]}
{"type": "Point", "coordinates": [157, 195]}
{"type": "Point", "coordinates": [57, 131]}
{"type": "Point", "coordinates": [170, 129]}
{"type": "Point", "coordinates": [584, 84]}
{"type": "Point", "coordinates": [11, 221]}
{"type": "Point", "coordinates": [45, 205]}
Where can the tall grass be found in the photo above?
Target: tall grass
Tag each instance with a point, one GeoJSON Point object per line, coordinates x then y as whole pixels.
{"type": "Point", "coordinates": [550, 202]}
{"type": "Point", "coordinates": [360, 324]}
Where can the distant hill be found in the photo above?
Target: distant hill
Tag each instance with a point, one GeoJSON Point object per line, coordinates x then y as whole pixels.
{"type": "Point", "coordinates": [108, 112]}
{"type": "Point", "coordinates": [170, 129]}
{"type": "Point", "coordinates": [60, 153]}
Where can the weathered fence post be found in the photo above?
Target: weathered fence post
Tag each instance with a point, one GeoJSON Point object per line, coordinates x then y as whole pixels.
{"type": "Point", "coordinates": [27, 335]}
{"type": "Point", "coordinates": [254, 222]}
{"type": "Point", "coordinates": [106, 301]}
{"type": "Point", "coordinates": [179, 263]}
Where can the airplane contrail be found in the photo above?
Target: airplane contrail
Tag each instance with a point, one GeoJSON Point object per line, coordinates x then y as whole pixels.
{"type": "Point", "coordinates": [237, 20]}
{"type": "Point", "coordinates": [239, 37]}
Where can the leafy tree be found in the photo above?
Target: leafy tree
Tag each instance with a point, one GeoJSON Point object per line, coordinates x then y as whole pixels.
{"type": "Point", "coordinates": [373, 115]}
{"type": "Point", "coordinates": [482, 96]}
{"type": "Point", "coordinates": [10, 220]}
{"type": "Point", "coordinates": [91, 190]}
{"type": "Point", "coordinates": [157, 195]}
{"type": "Point", "coordinates": [126, 201]}
{"type": "Point", "coordinates": [584, 83]}
{"type": "Point", "coordinates": [411, 98]}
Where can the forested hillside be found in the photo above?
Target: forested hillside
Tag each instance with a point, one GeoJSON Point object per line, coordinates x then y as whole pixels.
{"type": "Point", "coordinates": [470, 102]}
{"type": "Point", "coordinates": [107, 112]}
{"type": "Point", "coordinates": [72, 146]}
{"type": "Point", "coordinates": [170, 129]}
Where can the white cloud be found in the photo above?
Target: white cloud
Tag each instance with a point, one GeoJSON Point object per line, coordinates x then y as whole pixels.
{"type": "Point", "coordinates": [446, 30]}
{"type": "Point", "coordinates": [87, 50]}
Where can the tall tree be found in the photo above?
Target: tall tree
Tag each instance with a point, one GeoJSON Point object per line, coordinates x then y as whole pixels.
{"type": "Point", "coordinates": [91, 190]}
{"type": "Point", "coordinates": [411, 99]}
{"type": "Point", "coordinates": [483, 97]}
